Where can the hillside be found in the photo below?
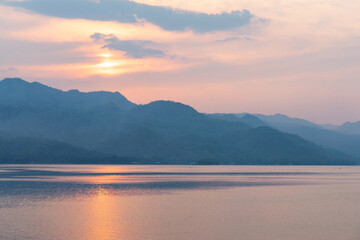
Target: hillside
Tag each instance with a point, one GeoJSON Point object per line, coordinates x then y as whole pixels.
{"type": "Point", "coordinates": [15, 150]}
{"type": "Point", "coordinates": [17, 92]}
{"type": "Point", "coordinates": [349, 128]}
{"type": "Point", "coordinates": [162, 131]}
{"type": "Point", "coordinates": [344, 138]}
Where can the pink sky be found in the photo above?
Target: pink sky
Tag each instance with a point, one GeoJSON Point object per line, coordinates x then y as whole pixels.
{"type": "Point", "coordinates": [299, 58]}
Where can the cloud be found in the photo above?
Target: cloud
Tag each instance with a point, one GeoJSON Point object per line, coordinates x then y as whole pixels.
{"type": "Point", "coordinates": [132, 48]}
{"type": "Point", "coordinates": [231, 39]}
{"type": "Point", "coordinates": [22, 52]}
{"type": "Point", "coordinates": [8, 70]}
{"type": "Point", "coordinates": [126, 11]}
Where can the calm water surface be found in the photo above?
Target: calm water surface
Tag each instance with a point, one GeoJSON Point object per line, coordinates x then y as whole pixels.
{"type": "Point", "coordinates": [85, 202]}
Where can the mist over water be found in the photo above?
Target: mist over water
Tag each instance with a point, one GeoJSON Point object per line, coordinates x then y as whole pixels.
{"type": "Point", "coordinates": [179, 202]}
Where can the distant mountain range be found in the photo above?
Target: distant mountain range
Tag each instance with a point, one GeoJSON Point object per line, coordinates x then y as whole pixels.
{"type": "Point", "coordinates": [349, 128]}
{"type": "Point", "coordinates": [39, 124]}
{"type": "Point", "coordinates": [344, 138]}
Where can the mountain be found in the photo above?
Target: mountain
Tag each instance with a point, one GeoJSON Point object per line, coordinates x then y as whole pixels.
{"type": "Point", "coordinates": [284, 121]}
{"type": "Point", "coordinates": [159, 132]}
{"type": "Point", "coordinates": [90, 128]}
{"type": "Point", "coordinates": [344, 138]}
{"type": "Point", "coordinates": [329, 126]}
{"type": "Point", "coordinates": [224, 116]}
{"type": "Point", "coordinates": [17, 92]}
{"type": "Point", "coordinates": [265, 145]}
{"type": "Point", "coordinates": [346, 143]}
{"type": "Point", "coordinates": [262, 145]}
{"type": "Point", "coordinates": [252, 120]}
{"type": "Point", "coordinates": [337, 138]}
{"type": "Point", "coordinates": [15, 150]}
{"type": "Point", "coordinates": [349, 128]}
{"type": "Point", "coordinates": [248, 119]}
{"type": "Point", "coordinates": [83, 128]}
{"type": "Point", "coordinates": [172, 118]}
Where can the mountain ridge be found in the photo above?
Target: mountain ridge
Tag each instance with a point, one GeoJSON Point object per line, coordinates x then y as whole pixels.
{"type": "Point", "coordinates": [328, 136]}
{"type": "Point", "coordinates": [349, 128]}
{"type": "Point", "coordinates": [159, 132]}
{"type": "Point", "coordinates": [16, 91]}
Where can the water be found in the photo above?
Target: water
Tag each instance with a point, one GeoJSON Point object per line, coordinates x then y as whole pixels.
{"type": "Point", "coordinates": [85, 202]}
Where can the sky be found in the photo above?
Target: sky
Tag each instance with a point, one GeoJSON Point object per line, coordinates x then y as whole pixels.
{"type": "Point", "coordinates": [296, 57]}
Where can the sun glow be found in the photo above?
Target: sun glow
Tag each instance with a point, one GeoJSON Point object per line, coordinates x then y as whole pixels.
{"type": "Point", "coordinates": [108, 64]}
{"type": "Point", "coordinates": [105, 55]}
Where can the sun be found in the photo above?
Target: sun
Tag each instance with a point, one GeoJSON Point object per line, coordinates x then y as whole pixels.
{"type": "Point", "coordinates": [105, 55]}
{"type": "Point", "coordinates": [108, 64]}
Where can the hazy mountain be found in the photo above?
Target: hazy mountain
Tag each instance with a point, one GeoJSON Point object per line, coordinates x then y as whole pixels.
{"type": "Point", "coordinates": [161, 131]}
{"type": "Point", "coordinates": [349, 128]}
{"type": "Point", "coordinates": [261, 145]}
{"type": "Point", "coordinates": [253, 121]}
{"type": "Point", "coordinates": [284, 121]}
{"type": "Point", "coordinates": [343, 138]}
{"type": "Point", "coordinates": [79, 127]}
{"type": "Point", "coordinates": [349, 144]}
{"type": "Point", "coordinates": [246, 118]}
{"type": "Point", "coordinates": [224, 116]}
{"type": "Point", "coordinates": [265, 145]}
{"type": "Point", "coordinates": [172, 118]}
{"type": "Point", "coordinates": [329, 126]}
{"type": "Point", "coordinates": [88, 128]}
{"type": "Point", "coordinates": [15, 91]}
{"type": "Point", "coordinates": [35, 150]}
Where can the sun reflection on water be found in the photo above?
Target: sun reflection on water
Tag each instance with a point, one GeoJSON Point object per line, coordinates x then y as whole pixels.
{"type": "Point", "coordinates": [101, 213]}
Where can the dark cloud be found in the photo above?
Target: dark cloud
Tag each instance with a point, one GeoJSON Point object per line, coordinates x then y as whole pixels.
{"type": "Point", "coordinates": [131, 12]}
{"type": "Point", "coordinates": [132, 48]}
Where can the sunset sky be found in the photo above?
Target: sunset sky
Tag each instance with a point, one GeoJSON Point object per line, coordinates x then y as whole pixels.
{"type": "Point", "coordinates": [300, 58]}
